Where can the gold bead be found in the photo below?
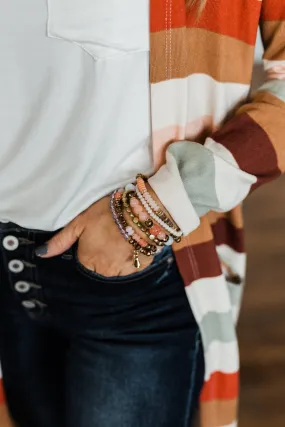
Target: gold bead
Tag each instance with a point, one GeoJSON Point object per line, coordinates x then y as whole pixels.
{"type": "Point", "coordinates": [149, 223]}
{"type": "Point", "coordinates": [136, 220]}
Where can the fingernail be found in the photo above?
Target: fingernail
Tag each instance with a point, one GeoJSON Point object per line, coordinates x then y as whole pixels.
{"type": "Point", "coordinates": [41, 250]}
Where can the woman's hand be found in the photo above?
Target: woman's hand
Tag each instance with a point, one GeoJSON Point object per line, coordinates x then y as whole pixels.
{"type": "Point", "coordinates": [101, 247]}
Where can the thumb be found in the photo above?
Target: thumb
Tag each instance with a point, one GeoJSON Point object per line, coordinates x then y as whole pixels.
{"type": "Point", "coordinates": [60, 243]}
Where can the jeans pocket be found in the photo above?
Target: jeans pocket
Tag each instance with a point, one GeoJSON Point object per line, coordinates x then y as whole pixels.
{"type": "Point", "coordinates": [161, 263]}
{"type": "Point", "coordinates": [102, 28]}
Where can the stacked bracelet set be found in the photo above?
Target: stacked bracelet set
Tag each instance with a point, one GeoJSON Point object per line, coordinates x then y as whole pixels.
{"type": "Point", "coordinates": [134, 204]}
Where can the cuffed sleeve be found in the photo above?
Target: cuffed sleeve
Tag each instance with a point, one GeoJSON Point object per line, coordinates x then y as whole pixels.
{"type": "Point", "coordinates": [248, 150]}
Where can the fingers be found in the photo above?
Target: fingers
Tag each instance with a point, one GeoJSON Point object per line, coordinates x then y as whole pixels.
{"type": "Point", "coordinates": [61, 242]}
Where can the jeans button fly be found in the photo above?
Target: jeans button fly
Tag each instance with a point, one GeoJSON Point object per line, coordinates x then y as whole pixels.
{"type": "Point", "coordinates": [29, 304]}
{"type": "Point", "coordinates": [22, 287]}
{"type": "Point", "coordinates": [10, 243]}
{"type": "Point", "coordinates": [16, 266]}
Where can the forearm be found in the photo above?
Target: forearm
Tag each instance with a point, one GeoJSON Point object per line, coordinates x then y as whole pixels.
{"type": "Point", "coordinates": [248, 151]}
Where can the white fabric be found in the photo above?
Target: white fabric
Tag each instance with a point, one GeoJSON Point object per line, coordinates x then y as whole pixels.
{"type": "Point", "coordinates": [211, 292]}
{"type": "Point", "coordinates": [169, 188]}
{"type": "Point", "coordinates": [231, 257]}
{"type": "Point", "coordinates": [231, 183]}
{"type": "Point", "coordinates": [74, 106]}
{"type": "Point", "coordinates": [216, 99]}
{"type": "Point", "coordinates": [221, 357]}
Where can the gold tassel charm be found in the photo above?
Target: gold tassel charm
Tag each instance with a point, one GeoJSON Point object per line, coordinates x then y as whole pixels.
{"type": "Point", "coordinates": [136, 260]}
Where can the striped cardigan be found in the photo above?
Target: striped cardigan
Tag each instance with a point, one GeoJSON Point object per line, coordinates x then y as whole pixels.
{"type": "Point", "coordinates": [200, 73]}
{"type": "Point", "coordinates": [200, 76]}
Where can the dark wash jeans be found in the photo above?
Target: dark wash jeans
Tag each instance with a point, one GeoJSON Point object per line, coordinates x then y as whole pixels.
{"type": "Point", "coordinates": [81, 350]}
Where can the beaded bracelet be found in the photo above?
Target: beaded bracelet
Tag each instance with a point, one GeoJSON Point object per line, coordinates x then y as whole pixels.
{"type": "Point", "coordinates": [176, 238]}
{"type": "Point", "coordinates": [150, 228]}
{"type": "Point", "coordinates": [117, 211]}
{"type": "Point", "coordinates": [139, 244]}
{"type": "Point", "coordinates": [154, 210]}
{"type": "Point", "coordinates": [132, 191]}
{"type": "Point", "coordinates": [154, 229]}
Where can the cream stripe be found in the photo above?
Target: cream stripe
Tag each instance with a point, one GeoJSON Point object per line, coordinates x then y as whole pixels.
{"type": "Point", "coordinates": [235, 260]}
{"type": "Point", "coordinates": [221, 151]}
{"type": "Point", "coordinates": [170, 100]}
{"type": "Point", "coordinates": [208, 294]}
{"type": "Point", "coordinates": [232, 184]}
{"type": "Point", "coordinates": [221, 357]}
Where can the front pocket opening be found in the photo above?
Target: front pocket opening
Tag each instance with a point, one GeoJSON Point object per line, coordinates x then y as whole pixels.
{"type": "Point", "coordinates": [166, 260]}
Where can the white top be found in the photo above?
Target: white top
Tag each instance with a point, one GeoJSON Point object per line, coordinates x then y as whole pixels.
{"type": "Point", "coordinates": [74, 105]}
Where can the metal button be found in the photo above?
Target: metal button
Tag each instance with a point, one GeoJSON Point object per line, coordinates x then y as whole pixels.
{"type": "Point", "coordinates": [16, 266]}
{"type": "Point", "coordinates": [29, 304]}
{"type": "Point", "coordinates": [10, 243]}
{"type": "Point", "coordinates": [22, 287]}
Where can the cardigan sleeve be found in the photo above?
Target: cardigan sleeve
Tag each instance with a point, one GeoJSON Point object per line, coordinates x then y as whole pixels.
{"type": "Point", "coordinates": [246, 152]}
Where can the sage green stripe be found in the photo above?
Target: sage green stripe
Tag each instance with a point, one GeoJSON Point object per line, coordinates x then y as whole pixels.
{"type": "Point", "coordinates": [196, 165]}
{"type": "Point", "coordinates": [275, 87]}
{"type": "Point", "coordinates": [217, 327]}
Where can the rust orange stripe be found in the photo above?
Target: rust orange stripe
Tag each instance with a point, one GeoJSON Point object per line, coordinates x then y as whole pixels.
{"type": "Point", "coordinates": [221, 57]}
{"type": "Point", "coordinates": [239, 21]}
{"type": "Point", "coordinates": [221, 387]}
{"type": "Point", "coordinates": [162, 19]}
{"type": "Point", "coordinates": [273, 10]}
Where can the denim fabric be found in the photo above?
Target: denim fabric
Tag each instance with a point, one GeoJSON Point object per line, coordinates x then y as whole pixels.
{"type": "Point", "coordinates": [81, 350]}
